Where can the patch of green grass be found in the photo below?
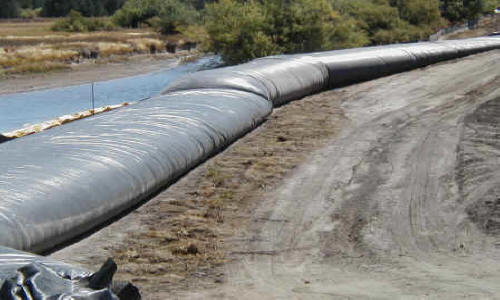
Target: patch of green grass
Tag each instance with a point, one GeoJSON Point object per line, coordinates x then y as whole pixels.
{"type": "Point", "coordinates": [214, 174]}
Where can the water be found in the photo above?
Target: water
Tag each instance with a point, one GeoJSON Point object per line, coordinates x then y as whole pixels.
{"type": "Point", "coordinates": [21, 109]}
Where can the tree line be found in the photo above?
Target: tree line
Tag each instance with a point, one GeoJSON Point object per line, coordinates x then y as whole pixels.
{"type": "Point", "coordinates": [452, 10]}
{"type": "Point", "coordinates": [240, 30]}
{"type": "Point", "coordinates": [59, 8]}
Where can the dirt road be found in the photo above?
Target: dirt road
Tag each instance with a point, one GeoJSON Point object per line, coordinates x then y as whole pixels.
{"type": "Point", "coordinates": [403, 204]}
{"type": "Point", "coordinates": [401, 200]}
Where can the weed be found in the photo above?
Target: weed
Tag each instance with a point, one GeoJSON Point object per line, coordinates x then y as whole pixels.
{"type": "Point", "coordinates": [214, 174]}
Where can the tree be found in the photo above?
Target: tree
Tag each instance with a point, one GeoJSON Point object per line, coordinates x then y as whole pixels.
{"type": "Point", "coordinates": [37, 3]}
{"type": "Point", "coordinates": [111, 6]}
{"type": "Point", "coordinates": [461, 10]}
{"type": "Point", "coordinates": [419, 12]}
{"type": "Point", "coordinates": [24, 3]}
{"type": "Point", "coordinates": [243, 30]}
{"type": "Point", "coordinates": [392, 21]}
{"type": "Point", "coordinates": [237, 30]}
{"type": "Point", "coordinates": [88, 8]}
{"type": "Point", "coordinates": [57, 8]}
{"type": "Point", "coordinates": [473, 8]}
{"type": "Point", "coordinates": [310, 25]}
{"type": "Point", "coordinates": [9, 9]}
{"type": "Point", "coordinates": [164, 15]}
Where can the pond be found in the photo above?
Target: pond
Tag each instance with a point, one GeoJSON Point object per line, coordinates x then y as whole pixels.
{"type": "Point", "coordinates": [23, 109]}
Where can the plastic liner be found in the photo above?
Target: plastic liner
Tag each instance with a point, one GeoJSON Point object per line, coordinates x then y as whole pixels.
{"type": "Point", "coordinates": [279, 79]}
{"type": "Point", "coordinates": [27, 276]}
{"type": "Point", "coordinates": [356, 65]}
{"type": "Point", "coordinates": [289, 77]}
{"type": "Point", "coordinates": [4, 138]}
{"type": "Point", "coordinates": [59, 184]}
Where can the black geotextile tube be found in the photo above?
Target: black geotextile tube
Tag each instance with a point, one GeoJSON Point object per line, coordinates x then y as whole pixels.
{"type": "Point", "coordinates": [61, 183]}
{"type": "Point", "coordinates": [27, 276]}
{"type": "Point", "coordinates": [289, 77]}
{"type": "Point", "coordinates": [4, 138]}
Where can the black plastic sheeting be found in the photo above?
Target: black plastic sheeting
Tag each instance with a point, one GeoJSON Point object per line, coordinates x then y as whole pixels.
{"type": "Point", "coordinates": [281, 79]}
{"type": "Point", "coordinates": [27, 276]}
{"type": "Point", "coordinates": [4, 138]}
{"type": "Point", "coordinates": [61, 183]}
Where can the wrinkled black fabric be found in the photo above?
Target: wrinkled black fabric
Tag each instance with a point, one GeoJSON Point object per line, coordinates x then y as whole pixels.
{"type": "Point", "coordinates": [279, 79]}
{"type": "Point", "coordinates": [288, 77]}
{"type": "Point", "coordinates": [4, 138]}
{"type": "Point", "coordinates": [61, 183]}
{"type": "Point", "coordinates": [25, 276]}
{"type": "Point", "coordinates": [125, 290]}
{"type": "Point", "coordinates": [104, 277]}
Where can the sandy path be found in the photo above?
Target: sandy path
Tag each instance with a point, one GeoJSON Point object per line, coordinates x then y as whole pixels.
{"type": "Point", "coordinates": [399, 200]}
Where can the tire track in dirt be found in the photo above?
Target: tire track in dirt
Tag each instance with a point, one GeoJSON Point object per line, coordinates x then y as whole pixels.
{"type": "Point", "coordinates": [378, 212]}
{"type": "Point", "coordinates": [479, 178]}
{"type": "Point", "coordinates": [383, 208]}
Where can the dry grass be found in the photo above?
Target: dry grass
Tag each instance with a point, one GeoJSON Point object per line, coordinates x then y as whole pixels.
{"type": "Point", "coordinates": [108, 49]}
{"type": "Point", "coordinates": [147, 45]}
{"type": "Point", "coordinates": [39, 67]}
{"type": "Point", "coordinates": [24, 44]}
{"type": "Point", "coordinates": [30, 55]}
{"type": "Point", "coordinates": [28, 33]}
{"type": "Point", "coordinates": [24, 29]}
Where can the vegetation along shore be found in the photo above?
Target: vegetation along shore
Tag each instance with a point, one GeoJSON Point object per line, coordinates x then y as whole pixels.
{"type": "Point", "coordinates": [48, 35]}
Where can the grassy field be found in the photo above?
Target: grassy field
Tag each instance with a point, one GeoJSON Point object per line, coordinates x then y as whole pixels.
{"type": "Point", "coordinates": [32, 47]}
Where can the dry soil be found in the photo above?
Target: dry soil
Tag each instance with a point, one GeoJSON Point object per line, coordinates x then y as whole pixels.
{"type": "Point", "coordinates": [384, 189]}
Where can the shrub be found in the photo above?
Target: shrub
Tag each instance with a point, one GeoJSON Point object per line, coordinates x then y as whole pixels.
{"type": "Point", "coordinates": [164, 15]}
{"type": "Point", "coordinates": [29, 13]}
{"type": "Point", "coordinates": [391, 21]}
{"type": "Point", "coordinates": [75, 22]}
{"type": "Point", "coordinates": [237, 30]}
{"type": "Point", "coordinates": [88, 8]}
{"type": "Point", "coordinates": [490, 5]}
{"type": "Point", "coordinates": [314, 25]}
{"type": "Point", "coordinates": [419, 12]}
{"type": "Point", "coordinates": [461, 10]}
{"type": "Point", "coordinates": [196, 33]}
{"type": "Point", "coordinates": [240, 31]}
{"type": "Point", "coordinates": [9, 9]}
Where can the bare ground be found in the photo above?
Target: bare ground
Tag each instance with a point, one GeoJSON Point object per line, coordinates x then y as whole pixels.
{"type": "Point", "coordinates": [384, 189]}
